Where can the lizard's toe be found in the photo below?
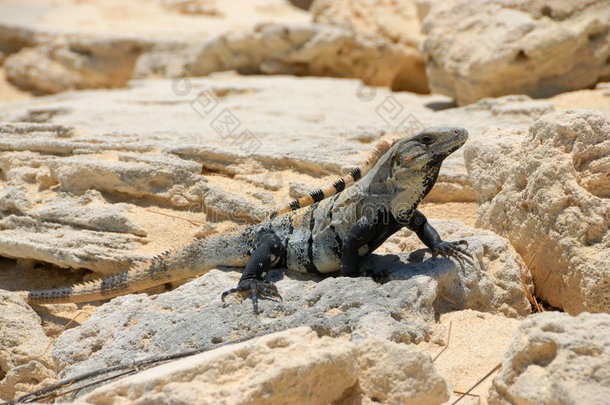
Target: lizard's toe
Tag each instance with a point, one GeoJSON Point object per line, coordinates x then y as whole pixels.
{"type": "Point", "coordinates": [254, 288]}
{"type": "Point", "coordinates": [456, 250]}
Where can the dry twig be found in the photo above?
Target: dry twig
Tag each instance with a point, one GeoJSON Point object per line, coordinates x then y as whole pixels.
{"type": "Point", "coordinates": [447, 345]}
{"type": "Point", "coordinates": [496, 368]}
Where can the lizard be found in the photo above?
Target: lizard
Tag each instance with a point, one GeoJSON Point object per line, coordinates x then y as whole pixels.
{"type": "Point", "coordinates": [326, 236]}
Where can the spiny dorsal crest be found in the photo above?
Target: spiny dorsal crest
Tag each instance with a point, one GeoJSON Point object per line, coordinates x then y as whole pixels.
{"type": "Point", "coordinates": [318, 195]}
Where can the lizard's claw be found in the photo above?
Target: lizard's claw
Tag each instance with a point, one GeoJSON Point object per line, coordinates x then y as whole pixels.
{"type": "Point", "coordinates": [456, 250]}
{"type": "Point", "coordinates": [254, 288]}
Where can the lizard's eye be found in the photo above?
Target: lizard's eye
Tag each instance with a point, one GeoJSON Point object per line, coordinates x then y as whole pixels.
{"type": "Point", "coordinates": [426, 139]}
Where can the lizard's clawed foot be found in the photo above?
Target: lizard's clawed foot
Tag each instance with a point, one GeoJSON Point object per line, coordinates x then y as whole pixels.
{"type": "Point", "coordinates": [456, 250]}
{"type": "Point", "coordinates": [254, 288]}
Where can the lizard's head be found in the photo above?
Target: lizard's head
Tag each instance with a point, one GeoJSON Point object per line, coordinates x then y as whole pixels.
{"type": "Point", "coordinates": [425, 150]}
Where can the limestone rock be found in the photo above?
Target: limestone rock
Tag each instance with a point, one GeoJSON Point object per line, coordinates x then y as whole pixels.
{"type": "Point", "coordinates": [556, 359]}
{"type": "Point", "coordinates": [51, 47]}
{"type": "Point", "coordinates": [393, 373]}
{"type": "Point", "coordinates": [302, 50]}
{"type": "Point", "coordinates": [491, 48]}
{"type": "Point", "coordinates": [495, 280]}
{"type": "Point", "coordinates": [192, 7]}
{"type": "Point", "coordinates": [24, 358]}
{"type": "Point", "coordinates": [74, 63]}
{"type": "Point", "coordinates": [287, 367]}
{"type": "Point", "coordinates": [549, 196]}
{"type": "Point", "coordinates": [299, 367]}
{"type": "Point", "coordinates": [395, 21]}
{"type": "Point", "coordinates": [167, 143]}
{"type": "Point", "coordinates": [402, 311]}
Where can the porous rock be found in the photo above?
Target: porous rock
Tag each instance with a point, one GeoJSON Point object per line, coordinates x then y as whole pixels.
{"type": "Point", "coordinates": [171, 322]}
{"type": "Point", "coordinates": [312, 50]}
{"type": "Point", "coordinates": [492, 48]}
{"type": "Point", "coordinates": [287, 367]}
{"type": "Point", "coordinates": [292, 366]}
{"type": "Point", "coordinates": [393, 373]}
{"type": "Point", "coordinates": [74, 63]}
{"type": "Point", "coordinates": [495, 280]}
{"type": "Point", "coordinates": [24, 358]}
{"type": "Point", "coordinates": [395, 21]}
{"type": "Point", "coordinates": [160, 142]}
{"type": "Point", "coordinates": [548, 195]}
{"type": "Point", "coordinates": [556, 359]}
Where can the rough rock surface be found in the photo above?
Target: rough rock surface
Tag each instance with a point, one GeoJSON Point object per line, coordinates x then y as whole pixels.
{"type": "Point", "coordinates": [393, 373]}
{"type": "Point", "coordinates": [556, 359]}
{"type": "Point", "coordinates": [491, 48]}
{"type": "Point", "coordinates": [401, 310]}
{"type": "Point", "coordinates": [395, 21]}
{"type": "Point", "coordinates": [312, 50]}
{"type": "Point", "coordinates": [217, 150]}
{"type": "Point", "coordinates": [131, 325]}
{"type": "Point", "coordinates": [495, 281]}
{"type": "Point", "coordinates": [24, 359]}
{"type": "Point", "coordinates": [74, 63]}
{"type": "Point", "coordinates": [548, 195]}
{"type": "Point", "coordinates": [50, 46]}
{"type": "Point", "coordinates": [299, 367]}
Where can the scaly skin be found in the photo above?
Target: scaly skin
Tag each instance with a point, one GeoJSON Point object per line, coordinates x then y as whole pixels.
{"type": "Point", "coordinates": [329, 235]}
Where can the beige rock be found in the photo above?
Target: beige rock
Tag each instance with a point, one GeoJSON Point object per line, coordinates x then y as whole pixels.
{"type": "Point", "coordinates": [556, 359]}
{"type": "Point", "coordinates": [288, 367]}
{"type": "Point", "coordinates": [158, 143]}
{"type": "Point", "coordinates": [25, 359]}
{"type": "Point", "coordinates": [156, 20]}
{"type": "Point", "coordinates": [395, 21]}
{"type": "Point", "coordinates": [496, 280]}
{"type": "Point", "coordinates": [74, 63]}
{"type": "Point", "coordinates": [549, 196]}
{"type": "Point", "coordinates": [293, 366]}
{"type": "Point", "coordinates": [311, 50]}
{"type": "Point", "coordinates": [53, 46]}
{"type": "Point", "coordinates": [192, 7]}
{"type": "Point", "coordinates": [492, 48]}
{"type": "Point", "coordinates": [393, 373]}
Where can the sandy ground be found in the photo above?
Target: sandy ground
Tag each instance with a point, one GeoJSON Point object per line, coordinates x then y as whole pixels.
{"type": "Point", "coordinates": [148, 18]}
{"type": "Point", "coordinates": [8, 92]}
{"type": "Point", "coordinates": [477, 343]}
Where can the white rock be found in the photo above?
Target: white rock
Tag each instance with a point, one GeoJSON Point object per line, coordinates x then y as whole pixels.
{"type": "Point", "coordinates": [556, 359]}
{"type": "Point", "coordinates": [491, 48]}
{"type": "Point", "coordinates": [549, 196]}
{"type": "Point", "coordinates": [169, 322]}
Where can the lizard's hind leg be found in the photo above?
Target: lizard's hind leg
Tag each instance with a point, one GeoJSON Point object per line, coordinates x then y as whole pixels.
{"type": "Point", "coordinates": [267, 252]}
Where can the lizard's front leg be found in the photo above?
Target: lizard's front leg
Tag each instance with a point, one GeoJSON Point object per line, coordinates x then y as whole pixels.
{"type": "Point", "coordinates": [428, 235]}
{"type": "Point", "coordinates": [358, 235]}
{"type": "Point", "coordinates": [266, 253]}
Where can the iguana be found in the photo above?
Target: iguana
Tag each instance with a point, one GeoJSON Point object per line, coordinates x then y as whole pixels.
{"type": "Point", "coordinates": [328, 235]}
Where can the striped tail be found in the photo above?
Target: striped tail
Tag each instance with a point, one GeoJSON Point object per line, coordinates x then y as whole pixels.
{"type": "Point", "coordinates": [191, 261]}
{"type": "Point", "coordinates": [318, 195]}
